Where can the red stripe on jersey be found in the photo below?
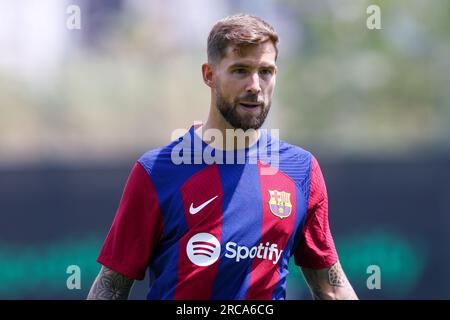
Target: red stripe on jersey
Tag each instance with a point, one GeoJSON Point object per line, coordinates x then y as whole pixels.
{"type": "Point", "coordinates": [279, 206]}
{"type": "Point", "coordinates": [202, 202]}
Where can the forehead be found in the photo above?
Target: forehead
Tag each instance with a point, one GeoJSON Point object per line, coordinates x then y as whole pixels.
{"type": "Point", "coordinates": [259, 54]}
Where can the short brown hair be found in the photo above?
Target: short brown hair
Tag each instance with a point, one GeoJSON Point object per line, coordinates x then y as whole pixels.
{"type": "Point", "coordinates": [240, 30]}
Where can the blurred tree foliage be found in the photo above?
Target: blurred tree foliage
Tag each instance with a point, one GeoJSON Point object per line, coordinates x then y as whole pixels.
{"type": "Point", "coordinates": [342, 89]}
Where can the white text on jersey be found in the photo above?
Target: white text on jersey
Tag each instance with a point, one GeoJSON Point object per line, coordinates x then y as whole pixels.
{"type": "Point", "coordinates": [268, 251]}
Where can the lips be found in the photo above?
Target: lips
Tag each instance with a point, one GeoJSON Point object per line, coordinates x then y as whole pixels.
{"type": "Point", "coordinates": [251, 107]}
{"type": "Point", "coordinates": [250, 104]}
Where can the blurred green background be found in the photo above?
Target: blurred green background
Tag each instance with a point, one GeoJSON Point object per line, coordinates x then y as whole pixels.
{"type": "Point", "coordinates": [77, 107]}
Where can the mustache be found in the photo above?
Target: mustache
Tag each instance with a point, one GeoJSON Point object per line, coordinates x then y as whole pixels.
{"type": "Point", "coordinates": [251, 98]}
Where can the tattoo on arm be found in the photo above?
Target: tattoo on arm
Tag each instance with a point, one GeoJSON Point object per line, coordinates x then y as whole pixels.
{"type": "Point", "coordinates": [329, 283]}
{"type": "Point", "coordinates": [336, 276]}
{"type": "Point", "coordinates": [110, 285]}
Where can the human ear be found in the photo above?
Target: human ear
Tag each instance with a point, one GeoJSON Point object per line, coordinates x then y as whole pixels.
{"type": "Point", "coordinates": [208, 74]}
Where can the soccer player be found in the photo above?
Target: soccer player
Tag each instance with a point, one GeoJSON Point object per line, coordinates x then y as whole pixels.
{"type": "Point", "coordinates": [225, 229]}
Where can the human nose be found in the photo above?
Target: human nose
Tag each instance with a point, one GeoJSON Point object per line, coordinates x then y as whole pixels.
{"type": "Point", "coordinates": [254, 86]}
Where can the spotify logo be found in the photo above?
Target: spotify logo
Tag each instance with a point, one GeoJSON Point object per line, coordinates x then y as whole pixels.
{"type": "Point", "coordinates": [203, 249]}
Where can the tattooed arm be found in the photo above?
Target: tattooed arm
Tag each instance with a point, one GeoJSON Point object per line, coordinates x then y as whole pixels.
{"type": "Point", "coordinates": [329, 284]}
{"type": "Point", "coordinates": [110, 285]}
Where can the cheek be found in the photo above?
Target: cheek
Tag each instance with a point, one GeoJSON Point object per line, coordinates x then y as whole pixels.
{"type": "Point", "coordinates": [270, 88]}
{"type": "Point", "coordinates": [230, 89]}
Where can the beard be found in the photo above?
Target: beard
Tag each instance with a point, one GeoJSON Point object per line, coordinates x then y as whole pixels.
{"type": "Point", "coordinates": [231, 114]}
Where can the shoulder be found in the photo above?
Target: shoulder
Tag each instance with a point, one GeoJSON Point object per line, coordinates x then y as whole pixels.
{"type": "Point", "coordinates": [155, 157]}
{"type": "Point", "coordinates": [295, 151]}
{"type": "Point", "coordinates": [293, 157]}
{"type": "Point", "coordinates": [299, 164]}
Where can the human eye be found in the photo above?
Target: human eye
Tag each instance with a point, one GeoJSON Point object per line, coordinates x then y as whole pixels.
{"type": "Point", "coordinates": [239, 71]}
{"type": "Point", "coordinates": [266, 72]}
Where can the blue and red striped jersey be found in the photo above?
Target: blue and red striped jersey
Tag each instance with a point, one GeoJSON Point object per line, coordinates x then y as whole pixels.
{"type": "Point", "coordinates": [220, 230]}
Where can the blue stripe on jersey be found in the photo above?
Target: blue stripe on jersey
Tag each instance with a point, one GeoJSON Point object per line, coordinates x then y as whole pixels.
{"type": "Point", "coordinates": [280, 289]}
{"type": "Point", "coordinates": [238, 182]}
{"type": "Point", "coordinates": [296, 163]}
{"type": "Point", "coordinates": [283, 271]}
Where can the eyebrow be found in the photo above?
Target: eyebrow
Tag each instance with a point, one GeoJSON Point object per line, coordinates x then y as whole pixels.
{"type": "Point", "coordinates": [244, 65]}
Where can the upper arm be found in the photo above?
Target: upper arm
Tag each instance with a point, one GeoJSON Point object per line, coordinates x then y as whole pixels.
{"type": "Point", "coordinates": [136, 229]}
{"type": "Point", "coordinates": [316, 253]}
{"type": "Point", "coordinates": [110, 285]}
{"type": "Point", "coordinates": [329, 283]}
{"type": "Point", "coordinates": [316, 249]}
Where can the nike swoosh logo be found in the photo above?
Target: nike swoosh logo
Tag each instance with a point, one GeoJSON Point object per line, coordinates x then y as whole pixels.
{"type": "Point", "coordinates": [193, 210]}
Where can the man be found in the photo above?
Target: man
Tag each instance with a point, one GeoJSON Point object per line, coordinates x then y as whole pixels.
{"type": "Point", "coordinates": [225, 230]}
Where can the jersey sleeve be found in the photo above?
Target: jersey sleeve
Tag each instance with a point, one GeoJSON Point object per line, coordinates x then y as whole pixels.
{"type": "Point", "coordinates": [316, 249]}
{"type": "Point", "coordinates": [136, 229]}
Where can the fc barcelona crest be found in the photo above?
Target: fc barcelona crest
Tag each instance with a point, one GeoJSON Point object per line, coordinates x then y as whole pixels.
{"type": "Point", "coordinates": [280, 203]}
